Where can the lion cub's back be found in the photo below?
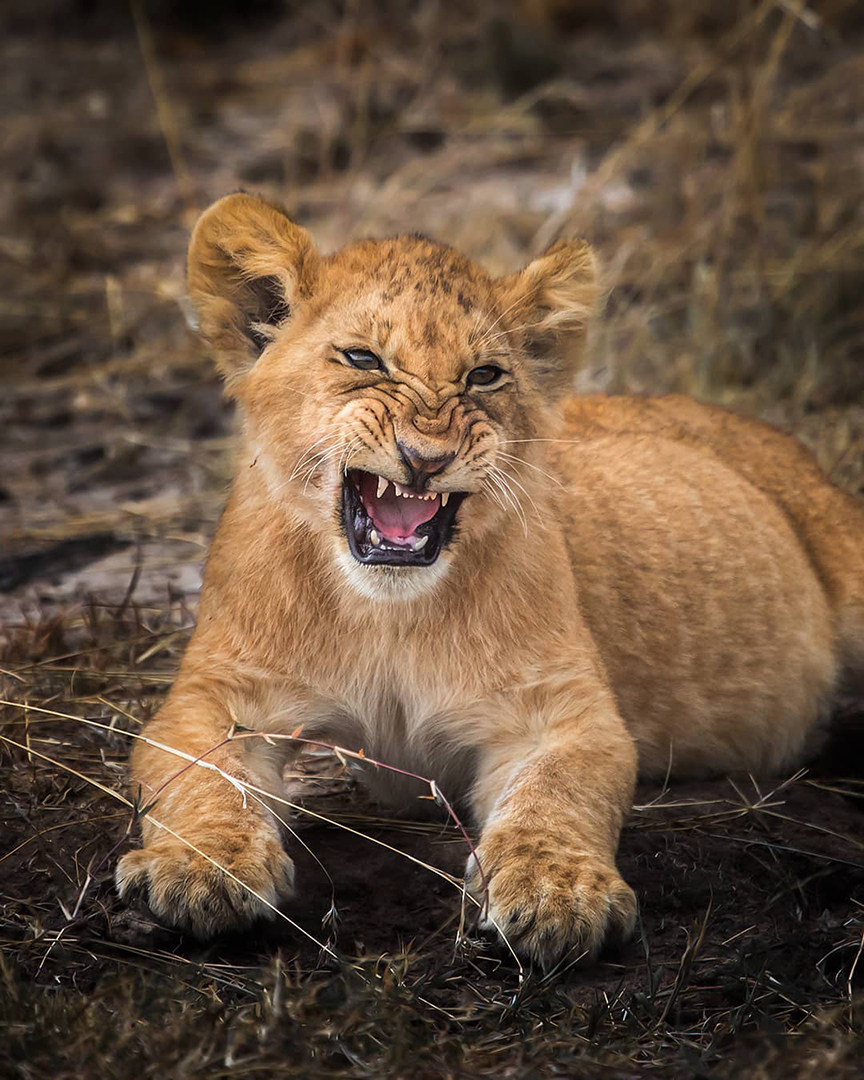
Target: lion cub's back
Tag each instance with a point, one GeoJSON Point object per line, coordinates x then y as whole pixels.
{"type": "Point", "coordinates": [828, 523]}
{"type": "Point", "coordinates": [715, 630]}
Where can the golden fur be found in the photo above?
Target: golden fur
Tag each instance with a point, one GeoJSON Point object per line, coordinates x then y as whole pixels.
{"type": "Point", "coordinates": [634, 583]}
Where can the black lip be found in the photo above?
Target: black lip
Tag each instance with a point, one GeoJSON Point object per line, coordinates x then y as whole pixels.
{"type": "Point", "coordinates": [440, 530]}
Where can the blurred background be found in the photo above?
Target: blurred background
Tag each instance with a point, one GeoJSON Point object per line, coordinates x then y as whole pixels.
{"type": "Point", "coordinates": [713, 153]}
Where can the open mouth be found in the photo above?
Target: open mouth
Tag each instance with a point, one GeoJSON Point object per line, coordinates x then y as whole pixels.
{"type": "Point", "coordinates": [388, 524]}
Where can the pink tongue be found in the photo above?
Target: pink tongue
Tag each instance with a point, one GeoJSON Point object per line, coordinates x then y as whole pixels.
{"type": "Point", "coordinates": [393, 516]}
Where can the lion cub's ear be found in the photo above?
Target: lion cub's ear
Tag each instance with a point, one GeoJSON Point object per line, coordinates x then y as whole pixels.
{"type": "Point", "coordinates": [550, 303]}
{"type": "Point", "coordinates": [248, 263]}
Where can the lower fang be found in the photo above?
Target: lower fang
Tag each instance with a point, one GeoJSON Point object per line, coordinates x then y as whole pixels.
{"type": "Point", "coordinates": [375, 538]}
{"type": "Point", "coordinates": [421, 543]}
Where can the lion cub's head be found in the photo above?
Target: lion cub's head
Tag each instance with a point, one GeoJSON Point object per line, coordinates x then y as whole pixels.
{"type": "Point", "coordinates": [393, 392]}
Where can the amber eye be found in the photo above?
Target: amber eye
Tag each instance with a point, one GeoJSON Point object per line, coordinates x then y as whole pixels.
{"type": "Point", "coordinates": [484, 376]}
{"type": "Point", "coordinates": [363, 359]}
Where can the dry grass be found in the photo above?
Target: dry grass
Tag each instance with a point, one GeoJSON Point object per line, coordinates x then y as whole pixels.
{"type": "Point", "coordinates": [751, 932]}
{"type": "Point", "coordinates": [714, 157]}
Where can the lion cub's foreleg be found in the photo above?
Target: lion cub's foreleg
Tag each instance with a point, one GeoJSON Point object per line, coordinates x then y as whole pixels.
{"type": "Point", "coordinates": [551, 805]}
{"type": "Point", "coordinates": [201, 823]}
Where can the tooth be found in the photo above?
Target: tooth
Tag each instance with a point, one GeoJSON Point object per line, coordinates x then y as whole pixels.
{"type": "Point", "coordinates": [382, 486]}
{"type": "Point", "coordinates": [445, 495]}
{"type": "Point", "coordinates": [421, 543]}
{"type": "Point", "coordinates": [375, 538]}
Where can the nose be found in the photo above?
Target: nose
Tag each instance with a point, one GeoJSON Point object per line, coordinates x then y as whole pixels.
{"type": "Point", "coordinates": [421, 467]}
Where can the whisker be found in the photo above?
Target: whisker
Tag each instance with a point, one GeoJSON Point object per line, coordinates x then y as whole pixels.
{"type": "Point", "coordinates": [512, 330]}
{"type": "Point", "coordinates": [347, 452]}
{"type": "Point", "coordinates": [322, 460]}
{"type": "Point", "coordinates": [508, 478]}
{"type": "Point", "coordinates": [506, 311]}
{"type": "Point", "coordinates": [309, 463]}
{"type": "Point", "coordinates": [299, 393]}
{"type": "Point", "coordinates": [508, 483]}
{"type": "Point", "coordinates": [487, 487]}
{"type": "Point", "coordinates": [301, 460]}
{"type": "Point", "coordinates": [573, 442]}
{"type": "Point", "coordinates": [509, 496]}
{"type": "Point", "coordinates": [522, 461]}
{"type": "Point", "coordinates": [322, 456]}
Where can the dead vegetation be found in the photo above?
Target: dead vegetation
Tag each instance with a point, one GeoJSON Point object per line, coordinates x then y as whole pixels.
{"type": "Point", "coordinates": [714, 155]}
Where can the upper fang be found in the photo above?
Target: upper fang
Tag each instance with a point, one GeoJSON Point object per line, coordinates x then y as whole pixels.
{"type": "Point", "coordinates": [445, 495]}
{"type": "Point", "coordinates": [382, 486]}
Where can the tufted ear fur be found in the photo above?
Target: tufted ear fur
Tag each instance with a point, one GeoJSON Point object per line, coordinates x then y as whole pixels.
{"type": "Point", "coordinates": [248, 263]}
{"type": "Point", "coordinates": [550, 303]}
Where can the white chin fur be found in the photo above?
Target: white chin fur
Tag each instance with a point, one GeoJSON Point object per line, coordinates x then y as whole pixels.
{"type": "Point", "coordinates": [390, 582]}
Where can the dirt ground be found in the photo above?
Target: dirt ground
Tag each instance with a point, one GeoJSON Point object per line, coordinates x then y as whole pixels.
{"type": "Point", "coordinates": [714, 154]}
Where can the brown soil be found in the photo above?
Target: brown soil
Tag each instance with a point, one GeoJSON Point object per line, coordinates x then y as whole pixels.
{"type": "Point", "coordinates": [714, 158]}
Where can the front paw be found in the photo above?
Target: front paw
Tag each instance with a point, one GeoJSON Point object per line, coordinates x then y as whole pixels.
{"type": "Point", "coordinates": [185, 889]}
{"type": "Point", "coordinates": [548, 901]}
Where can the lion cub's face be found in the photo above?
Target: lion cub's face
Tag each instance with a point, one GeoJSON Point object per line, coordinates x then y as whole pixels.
{"type": "Point", "coordinates": [392, 391]}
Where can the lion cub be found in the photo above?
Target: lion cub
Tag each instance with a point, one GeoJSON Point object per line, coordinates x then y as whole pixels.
{"type": "Point", "coordinates": [430, 553]}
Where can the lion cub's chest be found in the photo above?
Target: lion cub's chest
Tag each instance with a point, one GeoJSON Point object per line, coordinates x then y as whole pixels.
{"type": "Point", "coordinates": [406, 732]}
